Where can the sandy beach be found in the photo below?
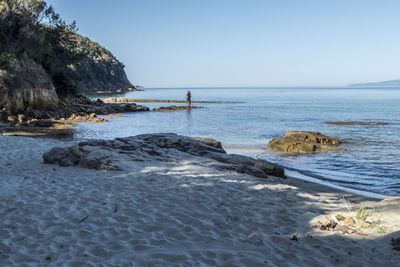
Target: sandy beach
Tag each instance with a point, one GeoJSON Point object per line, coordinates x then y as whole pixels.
{"type": "Point", "coordinates": [174, 214]}
{"type": "Point", "coordinates": [264, 122]}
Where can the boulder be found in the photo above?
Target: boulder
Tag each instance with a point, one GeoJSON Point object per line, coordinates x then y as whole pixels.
{"type": "Point", "coordinates": [120, 153]}
{"type": "Point", "coordinates": [304, 142]}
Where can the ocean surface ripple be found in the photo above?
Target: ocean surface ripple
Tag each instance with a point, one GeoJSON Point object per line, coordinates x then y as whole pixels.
{"type": "Point", "coordinates": [371, 156]}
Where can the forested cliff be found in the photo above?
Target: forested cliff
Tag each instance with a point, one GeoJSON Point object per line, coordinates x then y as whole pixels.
{"type": "Point", "coordinates": [43, 59]}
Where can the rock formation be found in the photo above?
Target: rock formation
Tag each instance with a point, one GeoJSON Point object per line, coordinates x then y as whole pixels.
{"type": "Point", "coordinates": [60, 119]}
{"type": "Point", "coordinates": [172, 108]}
{"type": "Point", "coordinates": [121, 153]}
{"type": "Point", "coordinates": [97, 69]}
{"type": "Point", "coordinates": [304, 142]}
{"type": "Point", "coordinates": [75, 109]}
{"type": "Point", "coordinates": [124, 99]}
{"type": "Point", "coordinates": [28, 85]}
{"type": "Point", "coordinates": [42, 66]}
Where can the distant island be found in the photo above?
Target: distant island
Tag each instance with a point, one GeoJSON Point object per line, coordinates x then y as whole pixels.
{"type": "Point", "coordinates": [384, 83]}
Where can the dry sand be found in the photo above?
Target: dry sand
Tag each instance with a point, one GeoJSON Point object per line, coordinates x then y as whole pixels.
{"type": "Point", "coordinates": [173, 214]}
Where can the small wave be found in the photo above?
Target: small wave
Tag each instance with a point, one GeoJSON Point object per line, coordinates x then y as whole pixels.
{"type": "Point", "coordinates": [323, 178]}
{"type": "Point", "coordinates": [298, 175]}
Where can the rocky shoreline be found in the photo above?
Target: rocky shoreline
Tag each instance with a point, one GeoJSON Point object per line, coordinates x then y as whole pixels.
{"type": "Point", "coordinates": [61, 115]}
{"type": "Point", "coordinates": [173, 108]}
{"type": "Point", "coordinates": [124, 99]}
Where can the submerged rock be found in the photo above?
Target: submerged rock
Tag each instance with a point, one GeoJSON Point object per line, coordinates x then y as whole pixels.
{"type": "Point", "coordinates": [121, 153]}
{"type": "Point", "coordinates": [357, 123]}
{"type": "Point", "coordinates": [124, 99]}
{"type": "Point", "coordinates": [171, 108]}
{"type": "Point", "coordinates": [304, 142]}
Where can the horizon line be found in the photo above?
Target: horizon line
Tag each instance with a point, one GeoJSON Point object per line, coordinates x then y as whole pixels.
{"type": "Point", "coordinates": [249, 86]}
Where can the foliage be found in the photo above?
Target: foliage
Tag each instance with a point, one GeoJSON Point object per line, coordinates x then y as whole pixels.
{"type": "Point", "coordinates": [31, 32]}
{"type": "Point", "coordinates": [32, 29]}
{"type": "Point", "coordinates": [364, 212]}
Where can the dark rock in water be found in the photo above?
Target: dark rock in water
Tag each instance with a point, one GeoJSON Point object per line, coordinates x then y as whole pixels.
{"type": "Point", "coordinates": [120, 153]}
{"type": "Point", "coordinates": [59, 120]}
{"type": "Point", "coordinates": [357, 123]}
{"type": "Point", "coordinates": [81, 103]}
{"type": "Point", "coordinates": [304, 142]}
{"type": "Point", "coordinates": [171, 108]}
{"type": "Point", "coordinates": [77, 108]}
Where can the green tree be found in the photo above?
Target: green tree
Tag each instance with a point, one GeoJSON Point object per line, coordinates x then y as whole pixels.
{"type": "Point", "coordinates": [33, 29]}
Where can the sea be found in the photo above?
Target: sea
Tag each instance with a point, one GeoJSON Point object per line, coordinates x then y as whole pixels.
{"type": "Point", "coordinates": [369, 161]}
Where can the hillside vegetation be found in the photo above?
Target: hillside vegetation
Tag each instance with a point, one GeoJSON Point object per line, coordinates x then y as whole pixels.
{"type": "Point", "coordinates": [43, 60]}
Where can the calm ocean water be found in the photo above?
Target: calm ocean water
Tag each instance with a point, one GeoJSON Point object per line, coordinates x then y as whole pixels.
{"type": "Point", "coordinates": [371, 161]}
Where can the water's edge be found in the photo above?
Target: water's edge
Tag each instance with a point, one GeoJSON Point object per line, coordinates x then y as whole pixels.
{"type": "Point", "coordinates": [297, 174]}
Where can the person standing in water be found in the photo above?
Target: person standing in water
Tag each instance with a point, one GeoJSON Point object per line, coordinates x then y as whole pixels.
{"type": "Point", "coordinates": [188, 99]}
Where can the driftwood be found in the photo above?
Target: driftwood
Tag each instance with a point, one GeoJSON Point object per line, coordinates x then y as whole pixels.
{"type": "Point", "coordinates": [331, 223]}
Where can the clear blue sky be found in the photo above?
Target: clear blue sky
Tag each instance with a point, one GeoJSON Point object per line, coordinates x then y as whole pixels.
{"type": "Point", "coordinates": [172, 43]}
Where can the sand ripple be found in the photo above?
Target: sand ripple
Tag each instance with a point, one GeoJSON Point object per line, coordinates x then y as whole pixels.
{"type": "Point", "coordinates": [196, 216]}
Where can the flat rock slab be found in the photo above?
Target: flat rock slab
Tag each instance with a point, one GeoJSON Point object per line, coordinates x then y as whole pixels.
{"type": "Point", "coordinates": [357, 123]}
{"type": "Point", "coordinates": [172, 108]}
{"type": "Point", "coordinates": [122, 153]}
{"type": "Point", "coordinates": [126, 100]}
{"type": "Point", "coordinates": [304, 142]}
{"type": "Point", "coordinates": [36, 131]}
{"type": "Point", "coordinates": [47, 127]}
{"type": "Point", "coordinates": [38, 128]}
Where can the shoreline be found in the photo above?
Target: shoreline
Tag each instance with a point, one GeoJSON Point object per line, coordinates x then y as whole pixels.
{"type": "Point", "coordinates": [249, 151]}
{"type": "Point", "coordinates": [68, 129]}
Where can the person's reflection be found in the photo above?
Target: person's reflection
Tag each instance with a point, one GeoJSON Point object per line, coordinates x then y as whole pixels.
{"type": "Point", "coordinates": [189, 116]}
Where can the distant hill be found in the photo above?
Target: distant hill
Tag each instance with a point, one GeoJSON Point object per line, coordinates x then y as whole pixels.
{"type": "Point", "coordinates": [384, 83]}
